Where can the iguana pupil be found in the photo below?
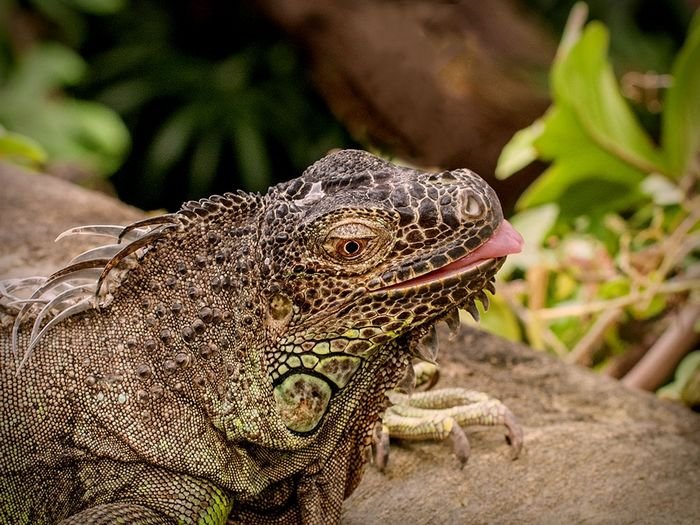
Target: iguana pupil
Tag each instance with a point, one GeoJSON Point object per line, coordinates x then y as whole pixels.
{"type": "Point", "coordinates": [351, 248]}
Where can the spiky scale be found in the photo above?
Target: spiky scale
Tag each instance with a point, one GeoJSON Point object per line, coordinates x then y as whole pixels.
{"type": "Point", "coordinates": [473, 310]}
{"type": "Point", "coordinates": [484, 299]}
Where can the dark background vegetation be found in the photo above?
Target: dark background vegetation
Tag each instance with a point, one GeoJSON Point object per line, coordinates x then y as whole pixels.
{"type": "Point", "coordinates": [219, 95]}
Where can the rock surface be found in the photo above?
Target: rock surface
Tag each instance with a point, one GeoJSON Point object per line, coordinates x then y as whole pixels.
{"type": "Point", "coordinates": [594, 451]}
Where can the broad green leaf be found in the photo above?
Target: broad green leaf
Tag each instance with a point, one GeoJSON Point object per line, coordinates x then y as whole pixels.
{"type": "Point", "coordinates": [520, 150]}
{"type": "Point", "coordinates": [582, 183]}
{"type": "Point", "coordinates": [102, 135]}
{"type": "Point", "coordinates": [583, 177]}
{"type": "Point", "coordinates": [85, 133]}
{"type": "Point", "coordinates": [68, 21]}
{"type": "Point", "coordinates": [82, 132]}
{"type": "Point", "coordinates": [46, 67]}
{"type": "Point", "coordinates": [562, 134]}
{"type": "Point", "coordinates": [680, 129]}
{"type": "Point", "coordinates": [583, 80]}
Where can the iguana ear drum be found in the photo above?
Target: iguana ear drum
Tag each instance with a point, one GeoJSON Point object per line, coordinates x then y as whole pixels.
{"type": "Point", "coordinates": [301, 401]}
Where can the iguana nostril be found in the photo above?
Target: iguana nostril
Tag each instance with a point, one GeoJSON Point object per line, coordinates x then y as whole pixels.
{"type": "Point", "coordinates": [472, 207]}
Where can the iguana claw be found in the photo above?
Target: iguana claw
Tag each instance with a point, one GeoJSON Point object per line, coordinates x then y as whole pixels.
{"type": "Point", "coordinates": [439, 414]}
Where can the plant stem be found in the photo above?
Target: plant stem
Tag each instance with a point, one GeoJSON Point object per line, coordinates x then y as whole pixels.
{"type": "Point", "coordinates": [663, 357]}
{"type": "Point", "coordinates": [673, 286]}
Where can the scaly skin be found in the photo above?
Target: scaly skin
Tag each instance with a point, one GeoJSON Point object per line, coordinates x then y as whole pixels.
{"type": "Point", "coordinates": [232, 359]}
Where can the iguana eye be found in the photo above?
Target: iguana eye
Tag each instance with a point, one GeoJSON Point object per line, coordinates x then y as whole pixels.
{"type": "Point", "coordinates": [351, 241]}
{"type": "Point", "coordinates": [350, 248]}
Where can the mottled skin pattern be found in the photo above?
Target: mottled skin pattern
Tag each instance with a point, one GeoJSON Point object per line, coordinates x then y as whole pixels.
{"type": "Point", "coordinates": [237, 363]}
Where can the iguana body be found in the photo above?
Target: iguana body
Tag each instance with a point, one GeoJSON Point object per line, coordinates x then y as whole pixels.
{"type": "Point", "coordinates": [232, 359]}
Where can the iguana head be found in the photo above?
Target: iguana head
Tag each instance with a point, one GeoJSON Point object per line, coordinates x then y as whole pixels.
{"type": "Point", "coordinates": [359, 252]}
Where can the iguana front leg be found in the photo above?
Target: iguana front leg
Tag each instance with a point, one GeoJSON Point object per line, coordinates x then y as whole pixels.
{"type": "Point", "coordinates": [439, 414]}
{"type": "Point", "coordinates": [160, 498]}
{"type": "Point", "coordinates": [111, 513]}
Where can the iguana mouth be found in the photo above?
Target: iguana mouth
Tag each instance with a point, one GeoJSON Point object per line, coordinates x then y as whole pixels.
{"type": "Point", "coordinates": [505, 241]}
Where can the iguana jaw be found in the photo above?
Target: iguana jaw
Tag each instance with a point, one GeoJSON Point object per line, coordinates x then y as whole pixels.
{"type": "Point", "coordinates": [505, 241]}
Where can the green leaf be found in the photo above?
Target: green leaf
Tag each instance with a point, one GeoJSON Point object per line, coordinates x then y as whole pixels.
{"type": "Point", "coordinates": [647, 310]}
{"type": "Point", "coordinates": [562, 134]}
{"type": "Point", "coordinates": [67, 20]}
{"type": "Point", "coordinates": [101, 135]}
{"type": "Point", "coordinates": [583, 80]}
{"type": "Point", "coordinates": [499, 319]}
{"type": "Point", "coordinates": [680, 128]}
{"type": "Point", "coordinates": [583, 177]}
{"type": "Point", "coordinates": [20, 149]}
{"type": "Point", "coordinates": [252, 156]}
{"type": "Point", "coordinates": [686, 384]}
{"type": "Point", "coordinates": [534, 225]}
{"type": "Point", "coordinates": [520, 150]}
{"type": "Point", "coordinates": [73, 131]}
{"type": "Point", "coordinates": [46, 67]}
{"type": "Point", "coordinates": [579, 188]}
{"type": "Point", "coordinates": [168, 145]}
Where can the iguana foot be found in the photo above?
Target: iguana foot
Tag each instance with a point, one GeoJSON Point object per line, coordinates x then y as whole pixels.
{"type": "Point", "coordinates": [439, 414]}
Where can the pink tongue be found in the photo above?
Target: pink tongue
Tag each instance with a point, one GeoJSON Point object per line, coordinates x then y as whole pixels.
{"type": "Point", "coordinates": [505, 241]}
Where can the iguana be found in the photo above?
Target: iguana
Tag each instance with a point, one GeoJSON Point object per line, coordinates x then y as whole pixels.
{"type": "Point", "coordinates": [231, 360]}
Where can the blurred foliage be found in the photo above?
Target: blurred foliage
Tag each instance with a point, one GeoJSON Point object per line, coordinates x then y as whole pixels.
{"type": "Point", "coordinates": [686, 385]}
{"type": "Point", "coordinates": [612, 226]}
{"type": "Point", "coordinates": [34, 75]}
{"type": "Point", "coordinates": [213, 96]}
{"type": "Point", "coordinates": [215, 99]}
{"type": "Point", "coordinates": [647, 35]}
{"type": "Point", "coordinates": [21, 150]}
{"type": "Point", "coordinates": [70, 130]}
{"type": "Point", "coordinates": [647, 32]}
